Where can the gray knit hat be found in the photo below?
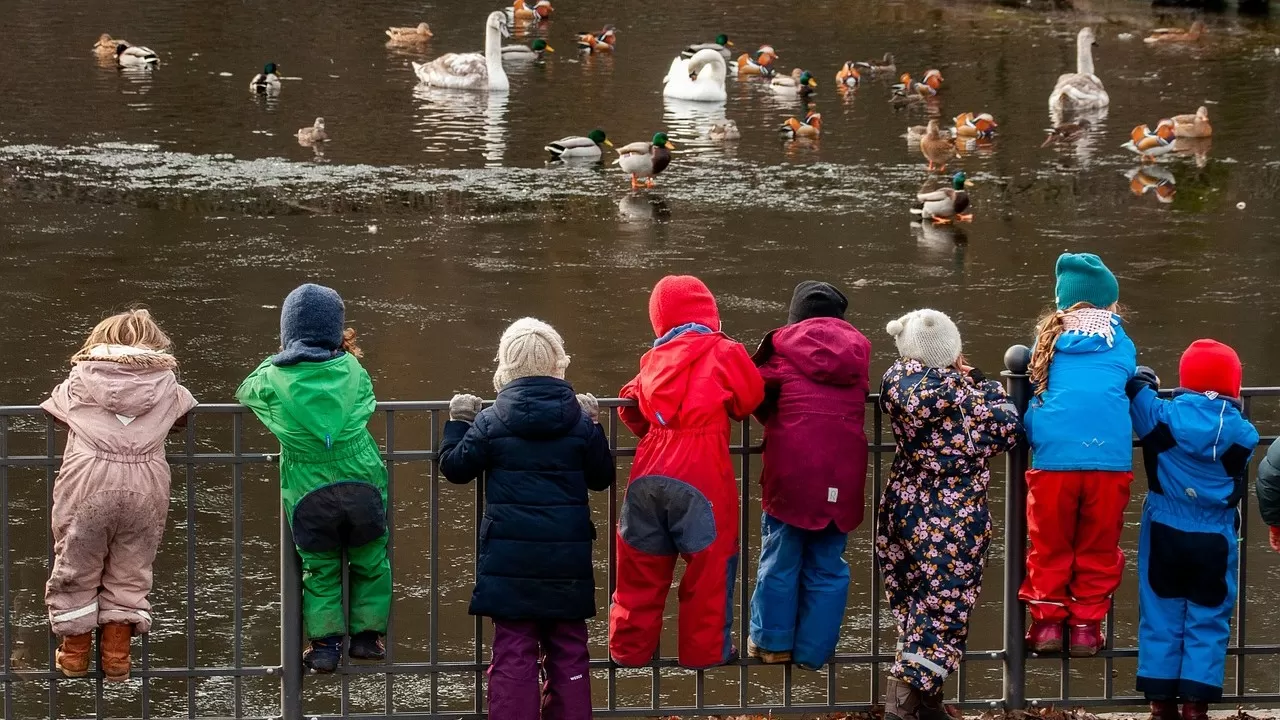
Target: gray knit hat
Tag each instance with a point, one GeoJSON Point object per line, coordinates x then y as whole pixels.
{"type": "Point", "coordinates": [311, 322]}
{"type": "Point", "coordinates": [928, 336]}
{"type": "Point", "coordinates": [529, 348]}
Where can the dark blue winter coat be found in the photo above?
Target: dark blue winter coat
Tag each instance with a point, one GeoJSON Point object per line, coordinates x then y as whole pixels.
{"type": "Point", "coordinates": [541, 454]}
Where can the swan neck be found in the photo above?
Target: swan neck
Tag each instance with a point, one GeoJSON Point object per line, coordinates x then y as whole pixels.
{"type": "Point", "coordinates": [493, 48]}
{"type": "Point", "coordinates": [1084, 57]}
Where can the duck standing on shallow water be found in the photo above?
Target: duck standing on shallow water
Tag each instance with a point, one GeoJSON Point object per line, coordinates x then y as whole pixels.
{"type": "Point", "coordinates": [314, 134]}
{"type": "Point", "coordinates": [1080, 90]}
{"type": "Point", "coordinates": [945, 205]}
{"type": "Point", "coordinates": [602, 41]}
{"type": "Point", "coordinates": [135, 56]}
{"type": "Point", "coordinates": [266, 82]}
{"type": "Point", "coordinates": [409, 35]}
{"type": "Point", "coordinates": [578, 147]}
{"type": "Point", "coordinates": [936, 148]}
{"type": "Point", "coordinates": [721, 45]}
{"type": "Point", "coordinates": [645, 159]}
{"type": "Point", "coordinates": [1150, 144]}
{"type": "Point", "coordinates": [793, 128]}
{"type": "Point", "coordinates": [532, 52]}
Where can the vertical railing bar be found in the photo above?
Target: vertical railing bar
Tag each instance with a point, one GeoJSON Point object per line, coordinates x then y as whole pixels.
{"type": "Point", "coordinates": [786, 685]}
{"type": "Point", "coordinates": [877, 482]}
{"type": "Point", "coordinates": [4, 572]}
{"type": "Point", "coordinates": [744, 561]}
{"type": "Point", "coordinates": [389, 678]}
{"type": "Point", "coordinates": [1108, 663]}
{"type": "Point", "coordinates": [50, 452]}
{"type": "Point", "coordinates": [1064, 685]}
{"type": "Point", "coordinates": [831, 683]}
{"type": "Point", "coordinates": [290, 622]}
{"type": "Point", "coordinates": [189, 448]}
{"type": "Point", "coordinates": [344, 682]}
{"type": "Point", "coordinates": [146, 681]}
{"type": "Point", "coordinates": [655, 687]}
{"type": "Point", "coordinates": [237, 575]}
{"type": "Point", "coordinates": [433, 622]}
{"type": "Point", "coordinates": [1242, 556]}
{"type": "Point", "coordinates": [612, 542]}
{"type": "Point", "coordinates": [699, 687]}
{"type": "Point", "coordinates": [479, 622]}
{"type": "Point", "coordinates": [961, 679]}
{"type": "Point", "coordinates": [1016, 360]}
{"type": "Point", "coordinates": [97, 697]}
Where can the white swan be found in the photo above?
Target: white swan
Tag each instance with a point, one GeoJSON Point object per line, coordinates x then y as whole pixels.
{"type": "Point", "coordinates": [708, 69]}
{"type": "Point", "coordinates": [471, 71]}
{"type": "Point", "coordinates": [1080, 90]}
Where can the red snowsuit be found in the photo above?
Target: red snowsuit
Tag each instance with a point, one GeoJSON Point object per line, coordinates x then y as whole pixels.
{"type": "Point", "coordinates": [682, 499]}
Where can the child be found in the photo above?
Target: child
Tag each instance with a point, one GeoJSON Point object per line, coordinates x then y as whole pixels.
{"type": "Point", "coordinates": [1268, 490]}
{"type": "Point", "coordinates": [1197, 448]}
{"type": "Point", "coordinates": [316, 398]}
{"type": "Point", "coordinates": [815, 470]}
{"type": "Point", "coordinates": [682, 500]}
{"type": "Point", "coordinates": [935, 526]}
{"type": "Point", "coordinates": [542, 449]}
{"type": "Point", "coordinates": [1081, 459]}
{"type": "Point", "coordinates": [111, 497]}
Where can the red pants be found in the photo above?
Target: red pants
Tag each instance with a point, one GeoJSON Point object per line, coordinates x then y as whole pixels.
{"type": "Point", "coordinates": [1074, 565]}
{"type": "Point", "coordinates": [663, 519]}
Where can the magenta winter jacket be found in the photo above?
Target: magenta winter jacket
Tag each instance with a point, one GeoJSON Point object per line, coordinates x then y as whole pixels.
{"type": "Point", "coordinates": [815, 447]}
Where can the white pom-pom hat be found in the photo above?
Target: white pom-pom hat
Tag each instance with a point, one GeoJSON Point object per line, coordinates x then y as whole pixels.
{"type": "Point", "coordinates": [529, 348]}
{"type": "Point", "coordinates": [928, 336]}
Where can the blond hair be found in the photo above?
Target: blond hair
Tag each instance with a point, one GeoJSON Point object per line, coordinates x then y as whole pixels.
{"type": "Point", "coordinates": [1049, 328]}
{"type": "Point", "coordinates": [132, 328]}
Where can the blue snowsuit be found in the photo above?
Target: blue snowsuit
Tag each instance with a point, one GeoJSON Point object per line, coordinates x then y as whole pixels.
{"type": "Point", "coordinates": [1196, 448]}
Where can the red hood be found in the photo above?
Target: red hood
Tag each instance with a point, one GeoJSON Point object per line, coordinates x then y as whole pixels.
{"type": "Point", "coordinates": [827, 350]}
{"type": "Point", "coordinates": [680, 299]}
{"type": "Point", "coordinates": [664, 374]}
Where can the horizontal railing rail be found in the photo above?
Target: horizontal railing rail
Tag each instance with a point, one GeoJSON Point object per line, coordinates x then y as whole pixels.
{"type": "Point", "coordinates": [228, 631]}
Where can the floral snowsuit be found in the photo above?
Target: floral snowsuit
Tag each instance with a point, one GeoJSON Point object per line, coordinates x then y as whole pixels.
{"type": "Point", "coordinates": [934, 524]}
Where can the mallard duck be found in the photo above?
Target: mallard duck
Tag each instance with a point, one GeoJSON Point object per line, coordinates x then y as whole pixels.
{"type": "Point", "coordinates": [761, 64]}
{"type": "Point", "coordinates": [1193, 126]}
{"type": "Point", "coordinates": [811, 127]}
{"type": "Point", "coordinates": [577, 147]}
{"type": "Point", "coordinates": [602, 41]}
{"type": "Point", "coordinates": [799, 82]}
{"type": "Point", "coordinates": [266, 82]}
{"type": "Point", "coordinates": [106, 45]}
{"type": "Point", "coordinates": [1080, 90]}
{"type": "Point", "coordinates": [645, 159]}
{"type": "Point", "coordinates": [882, 66]}
{"type": "Point", "coordinates": [1066, 132]}
{"type": "Point", "coordinates": [936, 148]}
{"type": "Point", "coordinates": [409, 35]}
{"type": "Point", "coordinates": [724, 130]}
{"type": "Point", "coordinates": [969, 125]}
{"type": "Point", "coordinates": [522, 10]}
{"type": "Point", "coordinates": [1176, 35]}
{"type": "Point", "coordinates": [945, 205]}
{"type": "Point", "coordinates": [471, 71]}
{"type": "Point", "coordinates": [135, 56]}
{"type": "Point", "coordinates": [526, 53]}
{"type": "Point", "coordinates": [314, 134]}
{"type": "Point", "coordinates": [1151, 144]}
{"type": "Point", "coordinates": [700, 78]}
{"type": "Point", "coordinates": [721, 45]}
{"type": "Point", "coordinates": [848, 75]}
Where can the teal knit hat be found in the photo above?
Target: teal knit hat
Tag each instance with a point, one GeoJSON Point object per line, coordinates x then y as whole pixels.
{"type": "Point", "coordinates": [1083, 278]}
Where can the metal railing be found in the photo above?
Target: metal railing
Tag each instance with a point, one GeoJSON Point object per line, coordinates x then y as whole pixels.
{"type": "Point", "coordinates": [219, 625]}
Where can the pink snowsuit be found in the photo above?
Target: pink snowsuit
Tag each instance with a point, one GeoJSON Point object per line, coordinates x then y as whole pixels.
{"type": "Point", "coordinates": [111, 496]}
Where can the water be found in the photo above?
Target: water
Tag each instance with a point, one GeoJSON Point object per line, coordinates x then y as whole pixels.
{"type": "Point", "coordinates": [180, 190]}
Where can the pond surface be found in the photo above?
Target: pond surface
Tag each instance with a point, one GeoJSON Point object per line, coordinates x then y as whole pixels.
{"type": "Point", "coordinates": [436, 216]}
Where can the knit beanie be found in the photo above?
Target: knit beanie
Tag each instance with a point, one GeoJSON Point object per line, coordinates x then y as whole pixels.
{"type": "Point", "coordinates": [1082, 277]}
{"type": "Point", "coordinates": [529, 348]}
{"type": "Point", "coordinates": [813, 299]}
{"type": "Point", "coordinates": [681, 299]}
{"type": "Point", "coordinates": [311, 323]}
{"type": "Point", "coordinates": [1210, 366]}
{"type": "Point", "coordinates": [928, 336]}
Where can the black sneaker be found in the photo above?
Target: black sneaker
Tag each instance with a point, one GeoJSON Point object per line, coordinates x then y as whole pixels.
{"type": "Point", "coordinates": [367, 645]}
{"type": "Point", "coordinates": [324, 654]}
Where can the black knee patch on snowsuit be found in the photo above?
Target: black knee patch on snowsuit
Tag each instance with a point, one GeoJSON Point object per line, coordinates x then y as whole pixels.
{"type": "Point", "coordinates": [665, 516]}
{"type": "Point", "coordinates": [1188, 565]}
{"type": "Point", "coordinates": [345, 514]}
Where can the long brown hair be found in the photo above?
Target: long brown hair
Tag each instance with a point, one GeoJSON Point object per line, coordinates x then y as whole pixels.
{"type": "Point", "coordinates": [1049, 328]}
{"type": "Point", "coordinates": [133, 328]}
{"type": "Point", "coordinates": [349, 343]}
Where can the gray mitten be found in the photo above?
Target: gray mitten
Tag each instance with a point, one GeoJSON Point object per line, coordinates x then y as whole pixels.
{"type": "Point", "coordinates": [464, 408]}
{"type": "Point", "coordinates": [590, 406]}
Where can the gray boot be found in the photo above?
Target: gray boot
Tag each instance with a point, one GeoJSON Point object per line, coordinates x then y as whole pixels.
{"type": "Point", "coordinates": [901, 701]}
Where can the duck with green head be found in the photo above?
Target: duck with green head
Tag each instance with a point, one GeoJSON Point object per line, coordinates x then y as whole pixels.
{"type": "Point", "coordinates": [645, 159]}
{"type": "Point", "coordinates": [721, 45]}
{"type": "Point", "coordinates": [266, 82]}
{"type": "Point", "coordinates": [948, 204]}
{"type": "Point", "coordinates": [532, 52]}
{"type": "Point", "coordinates": [800, 82]}
{"type": "Point", "coordinates": [578, 147]}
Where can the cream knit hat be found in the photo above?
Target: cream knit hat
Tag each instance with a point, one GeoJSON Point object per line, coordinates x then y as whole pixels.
{"type": "Point", "coordinates": [529, 348]}
{"type": "Point", "coordinates": [928, 336]}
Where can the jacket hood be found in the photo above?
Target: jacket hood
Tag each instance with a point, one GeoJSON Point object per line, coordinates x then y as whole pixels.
{"type": "Point", "coordinates": [827, 350]}
{"type": "Point", "coordinates": [129, 385]}
{"type": "Point", "coordinates": [664, 372]}
{"type": "Point", "coordinates": [1206, 425]}
{"type": "Point", "coordinates": [538, 407]}
{"type": "Point", "coordinates": [323, 397]}
{"type": "Point", "coordinates": [681, 299]}
{"type": "Point", "coordinates": [1077, 343]}
{"type": "Point", "coordinates": [814, 299]}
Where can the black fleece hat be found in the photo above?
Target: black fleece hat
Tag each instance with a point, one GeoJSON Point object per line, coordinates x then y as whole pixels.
{"type": "Point", "coordinates": [813, 299]}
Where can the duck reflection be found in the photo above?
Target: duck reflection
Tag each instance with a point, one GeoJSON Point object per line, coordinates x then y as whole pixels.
{"type": "Point", "coordinates": [1197, 148]}
{"type": "Point", "coordinates": [644, 207]}
{"type": "Point", "coordinates": [1153, 179]}
{"type": "Point", "coordinates": [1082, 130]}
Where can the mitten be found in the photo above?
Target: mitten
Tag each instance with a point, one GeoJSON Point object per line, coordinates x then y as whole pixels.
{"type": "Point", "coordinates": [1144, 377]}
{"type": "Point", "coordinates": [464, 408]}
{"type": "Point", "coordinates": [590, 406]}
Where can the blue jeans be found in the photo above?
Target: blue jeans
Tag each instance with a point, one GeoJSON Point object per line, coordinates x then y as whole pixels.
{"type": "Point", "coordinates": [801, 589]}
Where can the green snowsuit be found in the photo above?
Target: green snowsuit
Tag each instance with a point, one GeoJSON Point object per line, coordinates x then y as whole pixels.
{"type": "Point", "coordinates": [333, 483]}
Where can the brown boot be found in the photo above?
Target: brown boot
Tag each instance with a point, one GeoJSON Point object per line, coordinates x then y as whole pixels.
{"type": "Point", "coordinates": [73, 655]}
{"type": "Point", "coordinates": [901, 701]}
{"type": "Point", "coordinates": [768, 657]}
{"type": "Point", "coordinates": [115, 646]}
{"type": "Point", "coordinates": [1164, 710]}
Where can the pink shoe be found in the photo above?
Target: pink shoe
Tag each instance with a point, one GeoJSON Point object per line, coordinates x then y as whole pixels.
{"type": "Point", "coordinates": [1044, 638]}
{"type": "Point", "coordinates": [1087, 640]}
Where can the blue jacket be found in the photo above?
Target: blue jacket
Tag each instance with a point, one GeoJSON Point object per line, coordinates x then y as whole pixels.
{"type": "Point", "coordinates": [1196, 448]}
{"type": "Point", "coordinates": [1082, 421]}
{"type": "Point", "coordinates": [541, 454]}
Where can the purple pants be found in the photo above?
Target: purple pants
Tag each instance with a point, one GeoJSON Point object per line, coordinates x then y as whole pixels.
{"type": "Point", "coordinates": [521, 649]}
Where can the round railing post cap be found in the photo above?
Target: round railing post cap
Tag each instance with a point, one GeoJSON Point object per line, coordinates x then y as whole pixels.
{"type": "Point", "coordinates": [1017, 359]}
